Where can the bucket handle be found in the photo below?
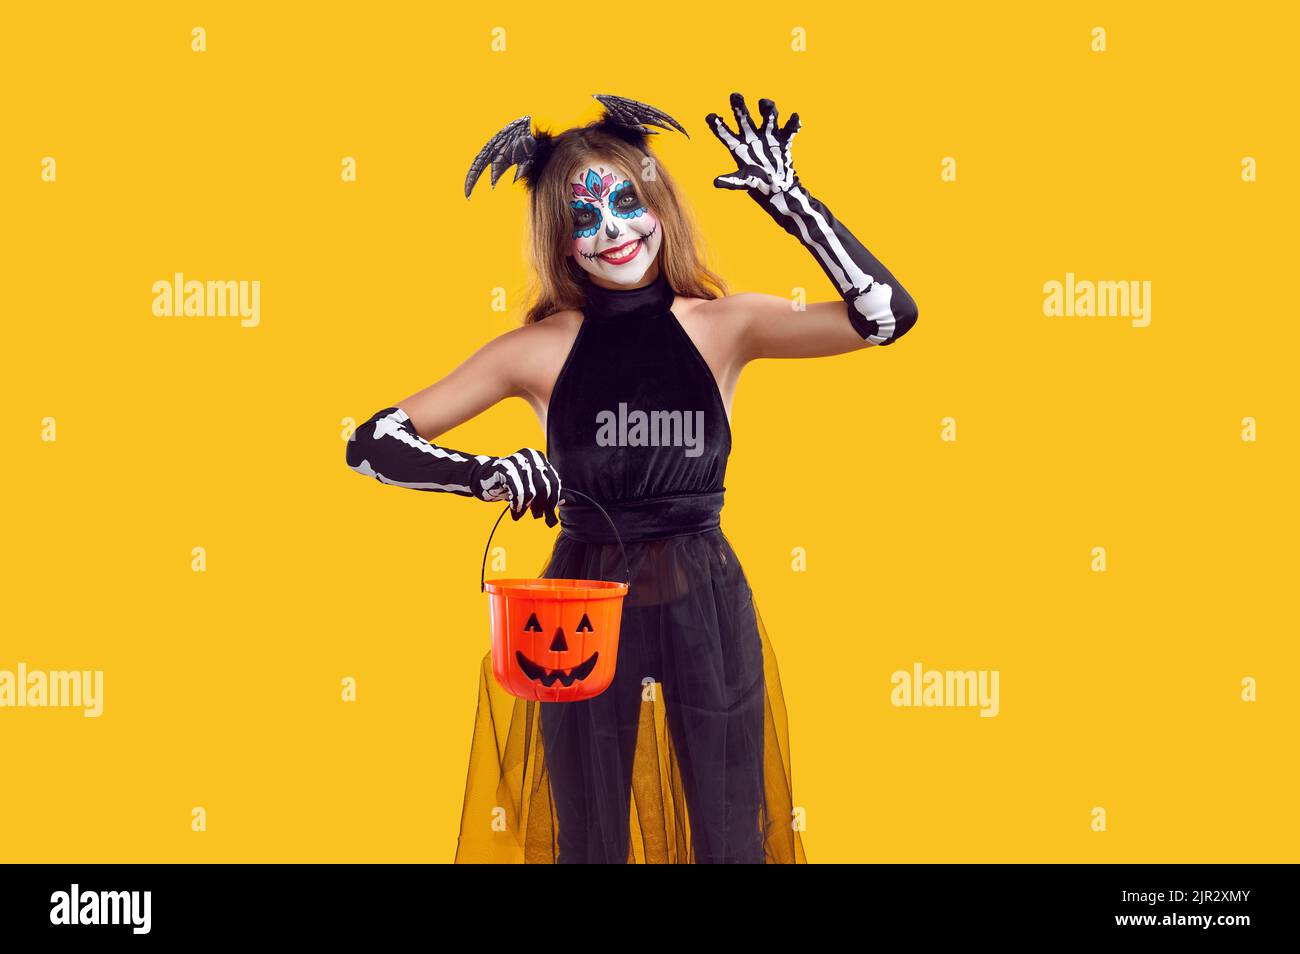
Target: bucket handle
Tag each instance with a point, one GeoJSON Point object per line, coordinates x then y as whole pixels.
{"type": "Point", "coordinates": [482, 577]}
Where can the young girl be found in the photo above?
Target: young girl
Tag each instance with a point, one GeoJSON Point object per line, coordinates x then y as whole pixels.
{"type": "Point", "coordinates": [630, 356]}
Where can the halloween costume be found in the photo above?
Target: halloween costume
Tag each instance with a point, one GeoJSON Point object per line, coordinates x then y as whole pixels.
{"type": "Point", "coordinates": [684, 757]}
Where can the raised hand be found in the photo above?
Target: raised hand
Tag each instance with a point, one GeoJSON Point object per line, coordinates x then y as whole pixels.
{"type": "Point", "coordinates": [763, 164]}
{"type": "Point", "coordinates": [879, 308]}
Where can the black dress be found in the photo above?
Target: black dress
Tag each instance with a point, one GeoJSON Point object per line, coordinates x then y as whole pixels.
{"type": "Point", "coordinates": [684, 758]}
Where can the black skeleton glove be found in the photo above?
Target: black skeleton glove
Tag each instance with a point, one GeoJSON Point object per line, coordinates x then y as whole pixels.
{"type": "Point", "coordinates": [880, 309]}
{"type": "Point", "coordinates": [388, 448]}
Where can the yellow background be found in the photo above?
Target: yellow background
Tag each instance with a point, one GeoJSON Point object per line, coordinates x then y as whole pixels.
{"type": "Point", "coordinates": [1119, 689]}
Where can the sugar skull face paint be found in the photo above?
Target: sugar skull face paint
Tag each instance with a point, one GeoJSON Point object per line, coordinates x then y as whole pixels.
{"type": "Point", "coordinates": [615, 237]}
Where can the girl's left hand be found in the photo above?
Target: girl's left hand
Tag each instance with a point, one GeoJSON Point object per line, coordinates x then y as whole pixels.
{"type": "Point", "coordinates": [762, 155]}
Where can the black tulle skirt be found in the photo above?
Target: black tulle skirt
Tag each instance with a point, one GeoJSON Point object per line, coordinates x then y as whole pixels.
{"type": "Point", "coordinates": [683, 759]}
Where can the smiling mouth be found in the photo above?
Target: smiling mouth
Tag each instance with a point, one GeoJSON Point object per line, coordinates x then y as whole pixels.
{"type": "Point", "coordinates": [622, 254]}
{"type": "Point", "coordinates": [547, 677]}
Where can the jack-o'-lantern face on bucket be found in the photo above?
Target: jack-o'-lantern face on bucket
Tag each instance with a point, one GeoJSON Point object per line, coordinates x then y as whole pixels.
{"type": "Point", "coordinates": [559, 647]}
{"type": "Point", "coordinates": [561, 650]}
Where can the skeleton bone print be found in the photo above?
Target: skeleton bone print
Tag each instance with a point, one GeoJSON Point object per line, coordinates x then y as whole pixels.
{"type": "Point", "coordinates": [766, 171]}
{"type": "Point", "coordinates": [388, 448]}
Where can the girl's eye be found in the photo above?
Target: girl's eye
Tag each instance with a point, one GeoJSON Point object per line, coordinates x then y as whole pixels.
{"type": "Point", "coordinates": [629, 200]}
{"type": "Point", "coordinates": [584, 218]}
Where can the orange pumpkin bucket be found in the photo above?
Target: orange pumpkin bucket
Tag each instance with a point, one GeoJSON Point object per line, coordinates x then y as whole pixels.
{"type": "Point", "coordinates": [555, 640]}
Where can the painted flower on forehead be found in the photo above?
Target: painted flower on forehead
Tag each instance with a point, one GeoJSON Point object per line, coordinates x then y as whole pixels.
{"type": "Point", "coordinates": [596, 186]}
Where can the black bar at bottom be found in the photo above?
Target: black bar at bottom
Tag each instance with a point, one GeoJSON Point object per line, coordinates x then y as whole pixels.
{"type": "Point", "coordinates": [376, 902]}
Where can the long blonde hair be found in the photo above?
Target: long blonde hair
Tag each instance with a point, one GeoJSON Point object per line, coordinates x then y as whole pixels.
{"type": "Point", "coordinates": [556, 283]}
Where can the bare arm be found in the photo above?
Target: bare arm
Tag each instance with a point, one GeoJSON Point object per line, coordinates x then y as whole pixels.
{"type": "Point", "coordinates": [482, 380]}
{"type": "Point", "coordinates": [768, 326]}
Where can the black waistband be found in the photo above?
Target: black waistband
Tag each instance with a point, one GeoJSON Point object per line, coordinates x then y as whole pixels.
{"type": "Point", "coordinates": [646, 519]}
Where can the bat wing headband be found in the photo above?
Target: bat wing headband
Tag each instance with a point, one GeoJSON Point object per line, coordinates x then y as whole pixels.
{"type": "Point", "coordinates": [519, 146]}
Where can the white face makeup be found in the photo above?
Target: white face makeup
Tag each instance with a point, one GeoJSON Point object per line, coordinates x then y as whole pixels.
{"type": "Point", "coordinates": [615, 237]}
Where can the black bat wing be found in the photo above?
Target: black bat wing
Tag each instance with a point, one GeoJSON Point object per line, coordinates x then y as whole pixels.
{"type": "Point", "coordinates": [629, 112]}
{"type": "Point", "coordinates": [512, 146]}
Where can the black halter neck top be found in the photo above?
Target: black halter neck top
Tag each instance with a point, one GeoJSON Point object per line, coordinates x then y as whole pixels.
{"type": "Point", "coordinates": [636, 420]}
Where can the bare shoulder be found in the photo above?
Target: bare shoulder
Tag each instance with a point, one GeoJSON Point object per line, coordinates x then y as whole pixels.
{"type": "Point", "coordinates": [717, 328]}
{"type": "Point", "coordinates": [729, 312]}
{"type": "Point", "coordinates": [534, 353]}
{"type": "Point", "coordinates": [719, 325]}
{"type": "Point", "coordinates": [714, 316]}
{"type": "Point", "coordinates": [530, 341]}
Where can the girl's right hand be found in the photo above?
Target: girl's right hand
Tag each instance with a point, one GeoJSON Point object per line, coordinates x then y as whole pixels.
{"type": "Point", "coordinates": [527, 481]}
